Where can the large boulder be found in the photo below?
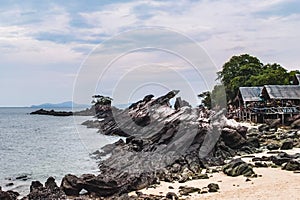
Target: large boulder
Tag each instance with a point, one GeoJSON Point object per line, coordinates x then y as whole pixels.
{"type": "Point", "coordinates": [8, 195]}
{"type": "Point", "coordinates": [232, 138]}
{"type": "Point", "coordinates": [287, 144]}
{"type": "Point", "coordinates": [238, 167]}
{"type": "Point", "coordinates": [50, 191]}
{"type": "Point", "coordinates": [71, 185]}
{"type": "Point", "coordinates": [292, 165]}
{"type": "Point", "coordinates": [296, 124]}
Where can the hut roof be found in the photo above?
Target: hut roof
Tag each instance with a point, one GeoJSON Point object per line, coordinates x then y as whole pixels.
{"type": "Point", "coordinates": [298, 78]}
{"type": "Point", "coordinates": [283, 91]}
{"type": "Point", "coordinates": [250, 93]}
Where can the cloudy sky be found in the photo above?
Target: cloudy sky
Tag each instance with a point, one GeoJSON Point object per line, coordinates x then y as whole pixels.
{"type": "Point", "coordinates": [44, 44]}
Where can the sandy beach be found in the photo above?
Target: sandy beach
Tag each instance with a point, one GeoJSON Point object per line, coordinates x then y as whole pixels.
{"type": "Point", "coordinates": [271, 183]}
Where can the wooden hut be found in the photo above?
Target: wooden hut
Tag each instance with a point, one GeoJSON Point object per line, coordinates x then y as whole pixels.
{"type": "Point", "coordinates": [248, 98]}
{"type": "Point", "coordinates": [297, 79]}
{"type": "Point", "coordinates": [281, 95]}
{"type": "Point", "coordinates": [281, 101]}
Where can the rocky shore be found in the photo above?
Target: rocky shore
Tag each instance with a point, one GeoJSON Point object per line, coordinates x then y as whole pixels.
{"type": "Point", "coordinates": [172, 145]}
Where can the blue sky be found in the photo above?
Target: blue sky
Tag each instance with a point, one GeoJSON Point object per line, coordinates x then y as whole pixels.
{"type": "Point", "coordinates": [44, 43]}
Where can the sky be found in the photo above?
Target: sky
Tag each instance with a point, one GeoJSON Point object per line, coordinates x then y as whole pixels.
{"type": "Point", "coordinates": [51, 50]}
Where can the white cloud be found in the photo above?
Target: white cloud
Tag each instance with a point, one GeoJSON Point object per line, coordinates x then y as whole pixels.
{"type": "Point", "coordinates": [222, 27]}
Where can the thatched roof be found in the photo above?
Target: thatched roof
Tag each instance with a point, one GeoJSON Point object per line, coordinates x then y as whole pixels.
{"type": "Point", "coordinates": [282, 91]}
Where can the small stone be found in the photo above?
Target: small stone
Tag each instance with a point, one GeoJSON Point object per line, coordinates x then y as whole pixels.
{"type": "Point", "coordinates": [204, 190]}
{"type": "Point", "coordinates": [22, 177]}
{"type": "Point", "coordinates": [260, 164]}
{"type": "Point", "coordinates": [248, 179]}
{"type": "Point", "coordinates": [184, 190]}
{"type": "Point", "coordinates": [9, 184]}
{"type": "Point", "coordinates": [172, 195]}
{"type": "Point", "coordinates": [273, 146]}
{"type": "Point", "coordinates": [171, 187]}
{"type": "Point", "coordinates": [287, 144]}
{"type": "Point", "coordinates": [213, 187]}
{"type": "Point", "coordinates": [138, 193]}
{"type": "Point", "coordinates": [256, 159]}
{"type": "Point", "coordinates": [292, 165]}
{"type": "Point", "coordinates": [202, 176]}
{"type": "Point", "coordinates": [254, 176]}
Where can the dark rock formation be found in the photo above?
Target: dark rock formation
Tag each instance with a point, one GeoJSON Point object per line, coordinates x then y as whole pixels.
{"type": "Point", "coordinates": [87, 112]}
{"type": "Point", "coordinates": [162, 144]}
{"type": "Point", "coordinates": [8, 195]}
{"type": "Point", "coordinates": [238, 167]}
{"type": "Point", "coordinates": [292, 165]}
{"type": "Point", "coordinates": [232, 138]}
{"type": "Point", "coordinates": [172, 196]}
{"type": "Point", "coordinates": [179, 103]}
{"type": "Point", "coordinates": [184, 190]}
{"type": "Point", "coordinates": [287, 144]}
{"type": "Point", "coordinates": [282, 158]}
{"type": "Point", "coordinates": [296, 124]}
{"type": "Point", "coordinates": [50, 191]}
{"type": "Point", "coordinates": [71, 185]}
{"type": "Point", "coordinates": [213, 187]}
{"type": "Point", "coordinates": [51, 112]}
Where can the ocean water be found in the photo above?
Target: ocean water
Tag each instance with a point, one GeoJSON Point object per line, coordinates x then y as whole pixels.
{"type": "Point", "coordinates": [41, 146]}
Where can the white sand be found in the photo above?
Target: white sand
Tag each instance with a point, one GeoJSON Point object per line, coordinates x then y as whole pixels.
{"type": "Point", "coordinates": [274, 184]}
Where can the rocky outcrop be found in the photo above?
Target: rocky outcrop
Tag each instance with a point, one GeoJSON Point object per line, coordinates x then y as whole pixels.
{"type": "Point", "coordinates": [51, 112]}
{"type": "Point", "coordinates": [162, 143]}
{"type": "Point", "coordinates": [165, 144]}
{"type": "Point", "coordinates": [8, 195]}
{"type": "Point", "coordinates": [87, 112]}
{"type": "Point", "coordinates": [49, 191]}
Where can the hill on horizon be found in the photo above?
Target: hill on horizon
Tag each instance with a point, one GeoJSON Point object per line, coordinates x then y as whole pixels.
{"type": "Point", "coordinates": [67, 104]}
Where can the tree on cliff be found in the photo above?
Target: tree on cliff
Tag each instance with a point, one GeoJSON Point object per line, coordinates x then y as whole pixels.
{"type": "Point", "coordinates": [101, 100]}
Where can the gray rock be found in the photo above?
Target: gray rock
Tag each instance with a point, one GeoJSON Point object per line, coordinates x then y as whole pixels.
{"type": "Point", "coordinates": [287, 144]}
{"type": "Point", "coordinates": [292, 165]}
{"type": "Point", "coordinates": [238, 167]}
{"type": "Point", "coordinates": [184, 190]}
{"type": "Point", "coordinates": [296, 124]}
{"type": "Point", "coordinates": [172, 196]}
{"type": "Point", "coordinates": [213, 187]}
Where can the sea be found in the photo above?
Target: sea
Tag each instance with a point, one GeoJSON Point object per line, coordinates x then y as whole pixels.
{"type": "Point", "coordinates": [35, 147]}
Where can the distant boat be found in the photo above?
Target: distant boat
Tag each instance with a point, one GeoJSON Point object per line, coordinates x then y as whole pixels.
{"type": "Point", "coordinates": [67, 104]}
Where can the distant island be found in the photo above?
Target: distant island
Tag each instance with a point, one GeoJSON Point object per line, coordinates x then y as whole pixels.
{"type": "Point", "coordinates": [67, 104]}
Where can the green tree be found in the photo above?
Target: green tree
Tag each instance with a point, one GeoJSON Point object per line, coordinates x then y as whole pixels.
{"type": "Point", "coordinates": [237, 72]}
{"type": "Point", "coordinates": [216, 98]}
{"type": "Point", "coordinates": [206, 99]}
{"type": "Point", "coordinates": [101, 100]}
{"type": "Point", "coordinates": [271, 74]}
{"type": "Point", "coordinates": [292, 78]}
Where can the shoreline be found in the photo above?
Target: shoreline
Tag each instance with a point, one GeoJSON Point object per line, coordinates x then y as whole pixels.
{"type": "Point", "coordinates": [274, 183]}
{"type": "Point", "coordinates": [172, 151]}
